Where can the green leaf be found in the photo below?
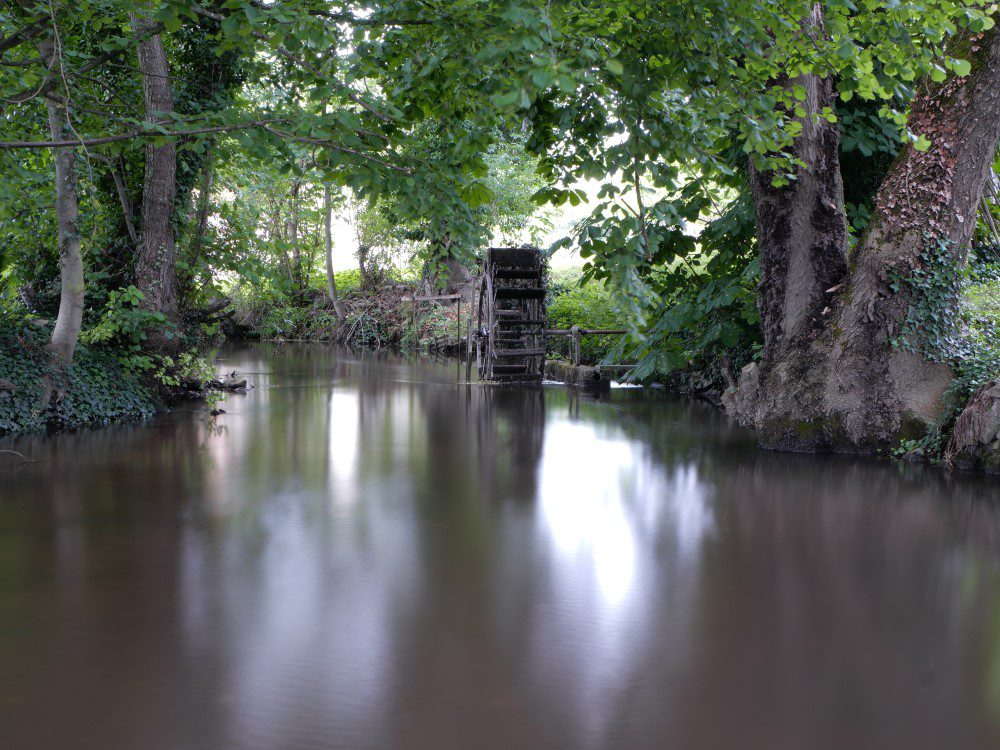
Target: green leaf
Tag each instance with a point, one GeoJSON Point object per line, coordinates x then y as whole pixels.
{"type": "Point", "coordinates": [961, 67]}
{"type": "Point", "coordinates": [172, 23]}
{"type": "Point", "coordinates": [506, 98]}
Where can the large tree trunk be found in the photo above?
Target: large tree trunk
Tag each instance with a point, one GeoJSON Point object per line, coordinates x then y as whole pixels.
{"type": "Point", "coordinates": [449, 275]}
{"type": "Point", "coordinates": [331, 281]}
{"type": "Point", "coordinates": [156, 263]}
{"type": "Point", "coordinates": [830, 376]}
{"type": "Point", "coordinates": [70, 318]}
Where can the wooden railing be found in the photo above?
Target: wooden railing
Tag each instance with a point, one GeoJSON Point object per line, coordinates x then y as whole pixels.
{"type": "Point", "coordinates": [576, 333]}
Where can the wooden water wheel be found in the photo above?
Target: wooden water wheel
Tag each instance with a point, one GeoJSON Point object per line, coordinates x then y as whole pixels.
{"type": "Point", "coordinates": [510, 341]}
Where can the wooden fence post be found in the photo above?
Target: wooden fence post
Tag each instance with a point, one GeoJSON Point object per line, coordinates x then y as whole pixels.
{"type": "Point", "coordinates": [575, 340]}
{"type": "Point", "coordinates": [413, 318]}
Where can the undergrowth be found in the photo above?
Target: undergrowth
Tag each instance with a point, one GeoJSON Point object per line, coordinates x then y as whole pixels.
{"type": "Point", "coordinates": [95, 390]}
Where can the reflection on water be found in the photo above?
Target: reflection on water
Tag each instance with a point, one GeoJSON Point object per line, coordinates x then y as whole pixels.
{"type": "Point", "coordinates": [368, 552]}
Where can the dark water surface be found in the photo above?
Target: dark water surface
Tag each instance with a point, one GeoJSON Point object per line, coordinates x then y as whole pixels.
{"type": "Point", "coordinates": [364, 553]}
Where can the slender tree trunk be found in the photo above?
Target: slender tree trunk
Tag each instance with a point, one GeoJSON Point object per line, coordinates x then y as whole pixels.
{"type": "Point", "coordinates": [278, 228]}
{"type": "Point", "coordinates": [836, 381]}
{"type": "Point", "coordinates": [293, 236]}
{"type": "Point", "coordinates": [204, 205]}
{"type": "Point", "coordinates": [70, 318]}
{"type": "Point", "coordinates": [331, 281]}
{"type": "Point", "coordinates": [156, 263]}
{"type": "Point", "coordinates": [123, 197]}
{"type": "Point", "coordinates": [367, 279]}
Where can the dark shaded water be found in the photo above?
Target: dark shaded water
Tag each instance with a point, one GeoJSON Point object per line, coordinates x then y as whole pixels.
{"type": "Point", "coordinates": [364, 553]}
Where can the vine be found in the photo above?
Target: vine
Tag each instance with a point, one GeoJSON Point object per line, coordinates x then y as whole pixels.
{"type": "Point", "coordinates": [940, 327]}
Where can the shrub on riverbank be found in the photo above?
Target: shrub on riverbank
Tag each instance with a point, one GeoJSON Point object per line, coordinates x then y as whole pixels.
{"type": "Point", "coordinates": [381, 317]}
{"type": "Point", "coordinates": [373, 318]}
{"type": "Point", "coordinates": [587, 306]}
{"type": "Point", "coordinates": [95, 390]}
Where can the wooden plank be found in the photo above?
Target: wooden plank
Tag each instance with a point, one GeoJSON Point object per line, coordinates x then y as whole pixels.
{"type": "Point", "coordinates": [505, 353]}
{"type": "Point", "coordinates": [585, 332]}
{"type": "Point", "coordinates": [433, 298]}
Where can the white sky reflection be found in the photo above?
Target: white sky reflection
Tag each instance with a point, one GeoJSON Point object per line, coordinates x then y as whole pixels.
{"type": "Point", "coordinates": [614, 524]}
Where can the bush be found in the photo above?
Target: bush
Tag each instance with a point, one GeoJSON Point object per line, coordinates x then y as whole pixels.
{"type": "Point", "coordinates": [347, 281]}
{"type": "Point", "coordinates": [438, 327]}
{"type": "Point", "coordinates": [588, 306]}
{"type": "Point", "coordinates": [96, 389]}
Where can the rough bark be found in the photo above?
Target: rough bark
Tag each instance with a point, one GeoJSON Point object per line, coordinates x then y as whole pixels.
{"type": "Point", "coordinates": [802, 227]}
{"type": "Point", "coordinates": [156, 261]}
{"type": "Point", "coordinates": [331, 281]}
{"type": "Point", "coordinates": [975, 438]}
{"type": "Point", "coordinates": [844, 386]}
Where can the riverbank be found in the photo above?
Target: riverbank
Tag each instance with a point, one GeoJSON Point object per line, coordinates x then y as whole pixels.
{"type": "Point", "coordinates": [384, 316]}
{"type": "Point", "coordinates": [104, 385]}
{"type": "Point", "coordinates": [95, 390]}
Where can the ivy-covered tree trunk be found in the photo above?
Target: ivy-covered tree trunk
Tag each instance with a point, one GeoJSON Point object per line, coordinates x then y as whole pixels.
{"type": "Point", "coordinates": [853, 376]}
{"type": "Point", "coordinates": [156, 261]}
{"type": "Point", "coordinates": [446, 274]}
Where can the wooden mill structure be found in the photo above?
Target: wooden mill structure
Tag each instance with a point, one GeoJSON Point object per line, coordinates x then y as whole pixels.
{"type": "Point", "coordinates": [510, 318]}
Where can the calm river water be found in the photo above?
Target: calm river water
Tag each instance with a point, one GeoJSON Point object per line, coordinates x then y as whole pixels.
{"type": "Point", "coordinates": [366, 553]}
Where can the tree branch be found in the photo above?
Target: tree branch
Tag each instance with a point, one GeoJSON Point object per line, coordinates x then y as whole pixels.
{"type": "Point", "coordinates": [343, 149]}
{"type": "Point", "coordinates": [135, 134]}
{"type": "Point", "coordinates": [23, 34]}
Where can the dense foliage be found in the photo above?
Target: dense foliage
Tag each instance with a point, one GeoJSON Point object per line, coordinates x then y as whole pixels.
{"type": "Point", "coordinates": [98, 388]}
{"type": "Point", "coordinates": [435, 128]}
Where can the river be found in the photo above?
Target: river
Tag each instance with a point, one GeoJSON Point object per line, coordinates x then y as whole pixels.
{"type": "Point", "coordinates": [366, 552]}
